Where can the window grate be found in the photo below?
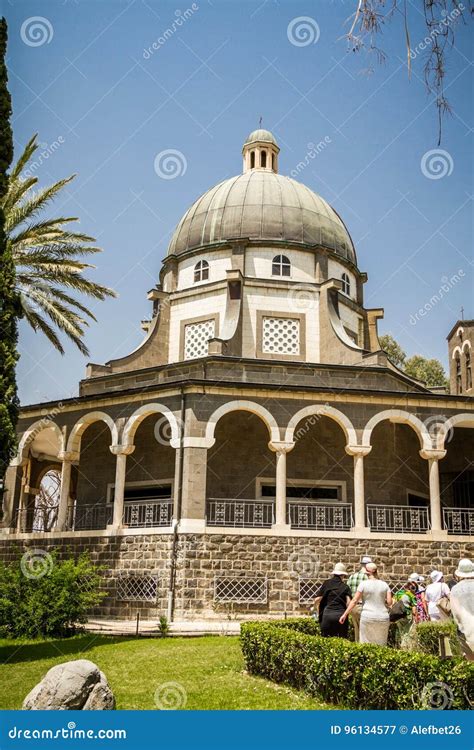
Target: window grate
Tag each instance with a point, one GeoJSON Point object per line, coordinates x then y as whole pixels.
{"type": "Point", "coordinates": [281, 336]}
{"type": "Point", "coordinates": [240, 589]}
{"type": "Point", "coordinates": [196, 338]}
{"type": "Point", "coordinates": [308, 588]}
{"type": "Point", "coordinates": [137, 588]}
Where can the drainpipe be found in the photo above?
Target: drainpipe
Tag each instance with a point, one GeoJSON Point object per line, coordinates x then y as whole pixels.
{"type": "Point", "coordinates": [174, 550]}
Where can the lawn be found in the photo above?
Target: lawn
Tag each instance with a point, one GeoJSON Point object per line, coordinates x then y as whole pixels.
{"type": "Point", "coordinates": [210, 669]}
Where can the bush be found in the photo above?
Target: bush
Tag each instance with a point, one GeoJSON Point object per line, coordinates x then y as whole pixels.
{"type": "Point", "coordinates": [354, 675]}
{"type": "Point", "coordinates": [41, 595]}
{"type": "Point", "coordinates": [426, 637]}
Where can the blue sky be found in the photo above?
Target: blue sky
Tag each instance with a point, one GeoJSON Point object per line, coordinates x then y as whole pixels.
{"type": "Point", "coordinates": [92, 87]}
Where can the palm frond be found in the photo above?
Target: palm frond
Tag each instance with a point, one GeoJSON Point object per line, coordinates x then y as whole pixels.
{"type": "Point", "coordinates": [34, 203]}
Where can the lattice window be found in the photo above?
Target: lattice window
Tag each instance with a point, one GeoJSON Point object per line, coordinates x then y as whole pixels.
{"type": "Point", "coordinates": [196, 338]}
{"type": "Point", "coordinates": [308, 588]}
{"type": "Point", "coordinates": [281, 336]}
{"type": "Point", "coordinates": [137, 588]}
{"type": "Point", "coordinates": [240, 589]}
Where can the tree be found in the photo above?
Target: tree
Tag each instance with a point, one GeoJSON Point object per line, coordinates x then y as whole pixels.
{"type": "Point", "coordinates": [9, 305]}
{"type": "Point", "coordinates": [48, 258]}
{"type": "Point", "coordinates": [429, 371]}
{"type": "Point", "coordinates": [394, 351]}
{"type": "Point", "coordinates": [440, 18]}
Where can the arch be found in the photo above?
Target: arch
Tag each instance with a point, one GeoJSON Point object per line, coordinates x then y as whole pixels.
{"type": "Point", "coordinates": [201, 271]}
{"type": "Point", "coordinates": [142, 413]}
{"type": "Point", "coordinates": [263, 159]}
{"type": "Point", "coordinates": [35, 429]}
{"type": "Point", "coordinates": [252, 160]}
{"type": "Point", "coordinates": [458, 420]}
{"type": "Point", "coordinates": [74, 441]}
{"type": "Point", "coordinates": [322, 410]}
{"type": "Point", "coordinates": [346, 284]}
{"type": "Point", "coordinates": [466, 345]}
{"type": "Point", "coordinates": [456, 352]}
{"type": "Point", "coordinates": [281, 266]}
{"type": "Point", "coordinates": [398, 416]}
{"type": "Point", "coordinates": [250, 406]}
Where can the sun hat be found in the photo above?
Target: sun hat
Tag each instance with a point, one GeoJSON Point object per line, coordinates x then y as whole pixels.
{"type": "Point", "coordinates": [436, 576]}
{"type": "Point", "coordinates": [340, 570]}
{"type": "Point", "coordinates": [366, 559]}
{"type": "Point", "coordinates": [371, 567]}
{"type": "Point", "coordinates": [414, 577]}
{"type": "Point", "coordinates": [465, 568]}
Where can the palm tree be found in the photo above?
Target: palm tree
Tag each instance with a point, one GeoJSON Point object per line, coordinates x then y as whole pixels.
{"type": "Point", "coordinates": [48, 258]}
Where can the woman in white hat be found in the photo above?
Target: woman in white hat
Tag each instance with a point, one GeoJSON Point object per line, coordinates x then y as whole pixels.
{"type": "Point", "coordinates": [462, 606]}
{"type": "Point", "coordinates": [435, 591]}
{"type": "Point", "coordinates": [333, 597]}
{"type": "Point", "coordinates": [376, 600]}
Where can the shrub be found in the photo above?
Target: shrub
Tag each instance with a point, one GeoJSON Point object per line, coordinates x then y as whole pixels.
{"type": "Point", "coordinates": [354, 675]}
{"type": "Point", "coordinates": [426, 637]}
{"type": "Point", "coordinates": [48, 597]}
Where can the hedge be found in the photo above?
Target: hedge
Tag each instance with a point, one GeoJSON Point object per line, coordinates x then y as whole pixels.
{"type": "Point", "coordinates": [354, 675]}
{"type": "Point", "coordinates": [426, 637]}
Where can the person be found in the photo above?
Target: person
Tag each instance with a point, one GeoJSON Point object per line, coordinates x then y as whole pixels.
{"type": "Point", "coordinates": [462, 606]}
{"type": "Point", "coordinates": [376, 600]}
{"type": "Point", "coordinates": [333, 597]}
{"type": "Point", "coordinates": [407, 596]}
{"type": "Point", "coordinates": [421, 614]}
{"type": "Point", "coordinates": [353, 583]}
{"type": "Point", "coordinates": [435, 591]}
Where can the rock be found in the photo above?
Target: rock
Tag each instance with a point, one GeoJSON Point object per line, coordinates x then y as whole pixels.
{"type": "Point", "coordinates": [74, 685]}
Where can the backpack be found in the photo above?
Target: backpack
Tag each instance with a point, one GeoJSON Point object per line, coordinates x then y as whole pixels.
{"type": "Point", "coordinates": [398, 611]}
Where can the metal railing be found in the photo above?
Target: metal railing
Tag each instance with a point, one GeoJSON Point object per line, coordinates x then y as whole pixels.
{"type": "Point", "coordinates": [147, 513]}
{"type": "Point", "coordinates": [251, 513]}
{"type": "Point", "coordinates": [89, 517]}
{"type": "Point", "coordinates": [37, 520]}
{"type": "Point", "coordinates": [331, 516]}
{"type": "Point", "coordinates": [398, 519]}
{"type": "Point", "coordinates": [458, 520]}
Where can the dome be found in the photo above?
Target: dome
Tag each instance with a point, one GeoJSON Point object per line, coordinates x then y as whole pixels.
{"type": "Point", "coordinates": [262, 205]}
{"type": "Point", "coordinates": [261, 135]}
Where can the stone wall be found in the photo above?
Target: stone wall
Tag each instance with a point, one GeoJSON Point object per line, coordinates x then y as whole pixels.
{"type": "Point", "coordinates": [200, 558]}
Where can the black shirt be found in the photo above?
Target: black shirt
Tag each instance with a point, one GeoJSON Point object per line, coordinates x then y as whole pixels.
{"type": "Point", "coordinates": [334, 593]}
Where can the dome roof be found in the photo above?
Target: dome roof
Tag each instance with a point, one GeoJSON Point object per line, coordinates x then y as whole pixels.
{"type": "Point", "coordinates": [261, 135]}
{"type": "Point", "coordinates": [262, 205]}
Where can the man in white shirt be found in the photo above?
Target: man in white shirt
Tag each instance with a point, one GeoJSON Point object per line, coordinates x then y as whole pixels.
{"type": "Point", "coordinates": [462, 606]}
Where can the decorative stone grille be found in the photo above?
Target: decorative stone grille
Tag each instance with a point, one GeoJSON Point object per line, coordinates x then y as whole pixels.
{"type": "Point", "coordinates": [308, 588]}
{"type": "Point", "coordinates": [196, 338]}
{"type": "Point", "coordinates": [137, 588]}
{"type": "Point", "coordinates": [240, 589]}
{"type": "Point", "coordinates": [281, 336]}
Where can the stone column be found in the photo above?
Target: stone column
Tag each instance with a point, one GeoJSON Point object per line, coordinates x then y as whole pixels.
{"type": "Point", "coordinates": [358, 452]}
{"type": "Point", "coordinates": [67, 458]}
{"type": "Point", "coordinates": [281, 449]}
{"type": "Point", "coordinates": [121, 452]}
{"type": "Point", "coordinates": [194, 480]}
{"type": "Point", "coordinates": [25, 478]}
{"type": "Point", "coordinates": [433, 456]}
{"type": "Point", "coordinates": [12, 489]}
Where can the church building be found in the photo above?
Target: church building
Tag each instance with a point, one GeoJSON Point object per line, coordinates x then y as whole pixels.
{"type": "Point", "coordinates": [258, 434]}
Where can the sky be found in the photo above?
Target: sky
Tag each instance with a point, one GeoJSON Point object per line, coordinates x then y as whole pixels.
{"type": "Point", "coordinates": [112, 86]}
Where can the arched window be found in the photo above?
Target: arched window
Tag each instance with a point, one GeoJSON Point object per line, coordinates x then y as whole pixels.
{"type": "Point", "coordinates": [458, 374]}
{"type": "Point", "coordinates": [252, 160]}
{"type": "Point", "coordinates": [47, 501]}
{"type": "Point", "coordinates": [281, 266]}
{"type": "Point", "coordinates": [468, 369]}
{"type": "Point", "coordinates": [346, 284]}
{"type": "Point", "coordinates": [263, 159]}
{"type": "Point", "coordinates": [201, 271]}
{"type": "Point", "coordinates": [273, 162]}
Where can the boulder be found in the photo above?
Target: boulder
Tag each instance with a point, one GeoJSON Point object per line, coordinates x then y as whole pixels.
{"type": "Point", "coordinates": [74, 685]}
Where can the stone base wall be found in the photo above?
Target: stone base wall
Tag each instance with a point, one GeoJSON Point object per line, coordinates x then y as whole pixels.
{"type": "Point", "coordinates": [200, 558]}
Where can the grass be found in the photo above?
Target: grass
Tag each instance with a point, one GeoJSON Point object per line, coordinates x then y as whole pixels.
{"type": "Point", "coordinates": [210, 669]}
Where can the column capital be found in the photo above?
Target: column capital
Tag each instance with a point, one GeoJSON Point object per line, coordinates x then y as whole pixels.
{"type": "Point", "coordinates": [358, 450]}
{"type": "Point", "coordinates": [68, 456]}
{"type": "Point", "coordinates": [122, 450]}
{"type": "Point", "coordinates": [432, 454]}
{"type": "Point", "coordinates": [280, 447]}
